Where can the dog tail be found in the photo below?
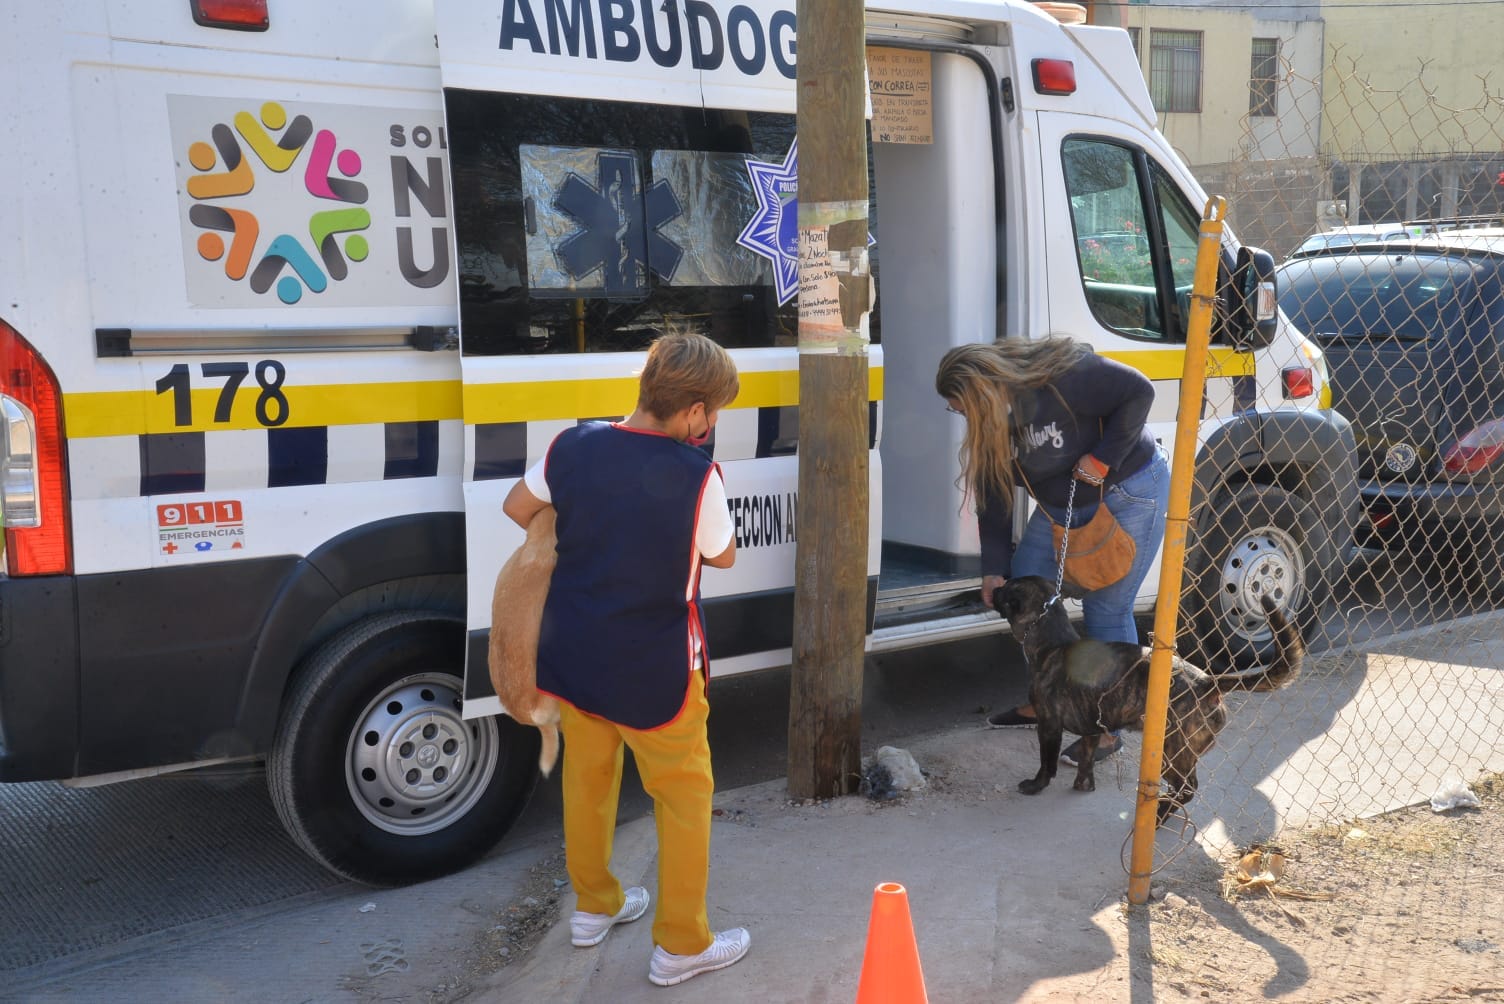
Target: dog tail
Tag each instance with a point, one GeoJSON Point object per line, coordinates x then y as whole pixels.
{"type": "Point", "coordinates": [1290, 655]}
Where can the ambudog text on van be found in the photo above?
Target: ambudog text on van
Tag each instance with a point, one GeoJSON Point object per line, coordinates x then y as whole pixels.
{"type": "Point", "coordinates": [293, 297]}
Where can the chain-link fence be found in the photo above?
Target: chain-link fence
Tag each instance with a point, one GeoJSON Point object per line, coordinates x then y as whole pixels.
{"type": "Point", "coordinates": [1401, 599]}
{"type": "Point", "coordinates": [1391, 152]}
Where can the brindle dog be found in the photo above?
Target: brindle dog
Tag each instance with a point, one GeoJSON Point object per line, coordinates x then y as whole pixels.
{"type": "Point", "coordinates": [1091, 688]}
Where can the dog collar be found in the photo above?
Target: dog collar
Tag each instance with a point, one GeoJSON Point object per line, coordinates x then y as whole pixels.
{"type": "Point", "coordinates": [1023, 639]}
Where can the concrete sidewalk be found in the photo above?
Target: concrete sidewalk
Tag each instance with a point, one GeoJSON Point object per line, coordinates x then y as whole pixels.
{"type": "Point", "coordinates": [1006, 892]}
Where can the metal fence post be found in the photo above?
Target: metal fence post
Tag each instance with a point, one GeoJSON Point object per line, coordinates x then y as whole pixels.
{"type": "Point", "coordinates": [1172, 561]}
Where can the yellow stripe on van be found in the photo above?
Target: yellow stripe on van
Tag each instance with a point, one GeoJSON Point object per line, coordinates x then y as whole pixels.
{"type": "Point", "coordinates": [564, 399]}
{"type": "Point", "coordinates": [142, 412]}
{"type": "Point", "coordinates": [138, 412]}
{"type": "Point", "coordinates": [1169, 363]}
{"type": "Point", "coordinates": [540, 400]}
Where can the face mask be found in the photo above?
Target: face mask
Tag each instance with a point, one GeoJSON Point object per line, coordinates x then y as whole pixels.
{"type": "Point", "coordinates": [704, 437]}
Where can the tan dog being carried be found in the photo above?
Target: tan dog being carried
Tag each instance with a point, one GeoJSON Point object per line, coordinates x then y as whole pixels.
{"type": "Point", "coordinates": [516, 612]}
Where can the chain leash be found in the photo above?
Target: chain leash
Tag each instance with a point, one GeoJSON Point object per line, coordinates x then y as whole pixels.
{"type": "Point", "coordinates": [1065, 539]}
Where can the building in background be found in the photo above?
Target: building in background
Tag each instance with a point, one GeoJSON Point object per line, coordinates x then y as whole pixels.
{"type": "Point", "coordinates": [1226, 81]}
{"type": "Point", "coordinates": [1317, 115]}
{"type": "Point", "coordinates": [1416, 116]}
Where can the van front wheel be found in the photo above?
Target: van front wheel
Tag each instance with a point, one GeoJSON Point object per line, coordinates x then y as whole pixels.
{"type": "Point", "coordinates": [373, 770]}
{"type": "Point", "coordinates": [1262, 543]}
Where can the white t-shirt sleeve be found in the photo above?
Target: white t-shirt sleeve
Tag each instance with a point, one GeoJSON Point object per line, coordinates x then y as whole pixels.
{"type": "Point", "coordinates": [536, 482]}
{"type": "Point", "coordinates": [713, 529]}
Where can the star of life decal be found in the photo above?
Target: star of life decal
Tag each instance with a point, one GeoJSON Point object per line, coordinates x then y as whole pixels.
{"type": "Point", "coordinates": [773, 231]}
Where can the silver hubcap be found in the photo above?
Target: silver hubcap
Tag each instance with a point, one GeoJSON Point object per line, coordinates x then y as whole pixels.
{"type": "Point", "coordinates": [413, 765]}
{"type": "Point", "coordinates": [1266, 562]}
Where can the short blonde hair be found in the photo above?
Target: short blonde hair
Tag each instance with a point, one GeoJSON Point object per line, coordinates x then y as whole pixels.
{"type": "Point", "coordinates": [682, 369]}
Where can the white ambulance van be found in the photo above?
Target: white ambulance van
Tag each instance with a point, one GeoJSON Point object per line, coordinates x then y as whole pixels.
{"type": "Point", "coordinates": [294, 291]}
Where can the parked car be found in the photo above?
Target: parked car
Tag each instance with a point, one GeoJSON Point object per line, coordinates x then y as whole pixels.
{"type": "Point", "coordinates": [1414, 336]}
{"type": "Point", "coordinates": [1440, 224]}
{"type": "Point", "coordinates": [1364, 233]}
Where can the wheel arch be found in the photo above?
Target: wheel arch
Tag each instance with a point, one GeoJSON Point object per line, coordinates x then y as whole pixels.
{"type": "Point", "coordinates": [1307, 453]}
{"type": "Point", "coordinates": [374, 772]}
{"type": "Point", "coordinates": [414, 561]}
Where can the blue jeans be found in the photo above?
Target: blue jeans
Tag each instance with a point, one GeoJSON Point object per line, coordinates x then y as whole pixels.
{"type": "Point", "coordinates": [1138, 502]}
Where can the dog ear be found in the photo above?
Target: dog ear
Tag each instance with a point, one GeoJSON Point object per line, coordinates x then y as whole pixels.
{"type": "Point", "coordinates": [1009, 599]}
{"type": "Point", "coordinates": [1001, 600]}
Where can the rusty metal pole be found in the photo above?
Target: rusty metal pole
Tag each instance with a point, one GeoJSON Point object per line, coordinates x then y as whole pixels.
{"type": "Point", "coordinates": [830, 579]}
{"type": "Point", "coordinates": [1172, 562]}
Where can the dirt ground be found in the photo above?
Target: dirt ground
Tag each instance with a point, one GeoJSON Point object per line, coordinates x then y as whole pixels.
{"type": "Point", "coordinates": [1404, 907]}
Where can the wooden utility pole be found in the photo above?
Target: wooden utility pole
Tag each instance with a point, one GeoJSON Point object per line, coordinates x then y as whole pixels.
{"type": "Point", "coordinates": [830, 580]}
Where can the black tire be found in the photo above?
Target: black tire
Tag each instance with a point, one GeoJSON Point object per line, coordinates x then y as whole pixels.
{"type": "Point", "coordinates": [374, 773]}
{"type": "Point", "coordinates": [1263, 540]}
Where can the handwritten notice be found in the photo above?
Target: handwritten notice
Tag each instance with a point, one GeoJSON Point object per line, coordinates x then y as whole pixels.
{"type": "Point", "coordinates": [835, 288]}
{"type": "Point", "coordinates": [899, 81]}
{"type": "Point", "coordinates": [819, 289]}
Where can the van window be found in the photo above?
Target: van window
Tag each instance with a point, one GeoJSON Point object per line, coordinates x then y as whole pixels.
{"type": "Point", "coordinates": [1120, 270]}
{"type": "Point", "coordinates": [1182, 226]}
{"type": "Point", "coordinates": [591, 226]}
{"type": "Point", "coordinates": [1112, 241]}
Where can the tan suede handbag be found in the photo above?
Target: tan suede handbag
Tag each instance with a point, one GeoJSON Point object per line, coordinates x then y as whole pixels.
{"type": "Point", "coordinates": [1096, 555]}
{"type": "Point", "coordinates": [1099, 553]}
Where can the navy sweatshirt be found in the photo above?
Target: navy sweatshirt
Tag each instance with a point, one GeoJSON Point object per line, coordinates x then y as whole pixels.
{"type": "Point", "coordinates": [1105, 406]}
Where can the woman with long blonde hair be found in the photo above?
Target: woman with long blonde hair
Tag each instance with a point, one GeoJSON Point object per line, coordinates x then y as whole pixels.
{"type": "Point", "coordinates": [1040, 414]}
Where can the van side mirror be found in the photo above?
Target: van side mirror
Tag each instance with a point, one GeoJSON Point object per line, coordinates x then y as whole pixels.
{"type": "Point", "coordinates": [1252, 308]}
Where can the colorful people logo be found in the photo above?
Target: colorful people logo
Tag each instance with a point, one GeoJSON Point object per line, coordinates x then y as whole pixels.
{"type": "Point", "coordinates": [226, 172]}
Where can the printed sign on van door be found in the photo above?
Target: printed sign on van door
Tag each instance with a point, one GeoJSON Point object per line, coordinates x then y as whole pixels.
{"type": "Point", "coordinates": [297, 204]}
{"type": "Point", "coordinates": [738, 55]}
{"type": "Point", "coordinates": [200, 527]}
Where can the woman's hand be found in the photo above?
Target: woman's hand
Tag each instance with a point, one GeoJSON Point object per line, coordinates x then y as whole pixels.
{"type": "Point", "coordinates": [989, 583]}
{"type": "Point", "coordinates": [1091, 470]}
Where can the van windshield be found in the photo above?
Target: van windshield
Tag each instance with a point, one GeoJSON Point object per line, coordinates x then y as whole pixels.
{"type": "Point", "coordinates": [1362, 296]}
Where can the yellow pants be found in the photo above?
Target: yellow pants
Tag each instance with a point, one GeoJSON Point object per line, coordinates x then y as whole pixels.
{"type": "Point", "coordinates": [674, 762]}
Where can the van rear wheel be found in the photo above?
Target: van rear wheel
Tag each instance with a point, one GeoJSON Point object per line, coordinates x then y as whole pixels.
{"type": "Point", "coordinates": [1263, 542]}
{"type": "Point", "coordinates": [373, 770]}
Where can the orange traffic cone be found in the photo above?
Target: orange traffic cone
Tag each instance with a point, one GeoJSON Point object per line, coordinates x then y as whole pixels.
{"type": "Point", "coordinates": [890, 967]}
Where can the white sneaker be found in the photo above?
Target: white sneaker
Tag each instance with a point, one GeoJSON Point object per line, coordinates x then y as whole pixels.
{"type": "Point", "coordinates": [668, 969]}
{"type": "Point", "coordinates": [587, 929]}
